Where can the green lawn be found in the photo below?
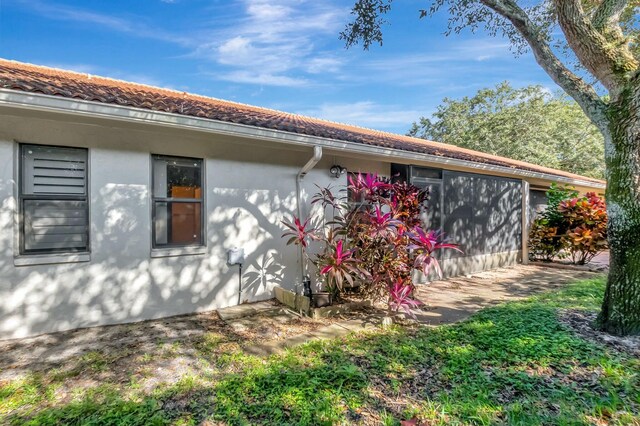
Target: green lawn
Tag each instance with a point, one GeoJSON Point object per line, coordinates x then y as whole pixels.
{"type": "Point", "coordinates": [512, 364]}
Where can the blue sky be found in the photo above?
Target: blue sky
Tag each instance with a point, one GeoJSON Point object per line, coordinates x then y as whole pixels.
{"type": "Point", "coordinates": [282, 54]}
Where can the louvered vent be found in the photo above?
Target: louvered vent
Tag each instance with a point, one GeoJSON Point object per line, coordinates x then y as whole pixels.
{"type": "Point", "coordinates": [51, 170]}
{"type": "Point", "coordinates": [54, 199]}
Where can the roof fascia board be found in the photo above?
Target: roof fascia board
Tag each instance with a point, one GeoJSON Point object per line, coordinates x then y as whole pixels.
{"type": "Point", "coordinates": [41, 102]}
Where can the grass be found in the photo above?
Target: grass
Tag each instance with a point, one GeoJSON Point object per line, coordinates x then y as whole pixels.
{"type": "Point", "coordinates": [514, 364]}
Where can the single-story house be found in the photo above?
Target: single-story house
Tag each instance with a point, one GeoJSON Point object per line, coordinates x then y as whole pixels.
{"type": "Point", "coordinates": [120, 201]}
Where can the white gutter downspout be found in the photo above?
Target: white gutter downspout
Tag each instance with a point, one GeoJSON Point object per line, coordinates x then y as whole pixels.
{"type": "Point", "coordinates": [317, 156]}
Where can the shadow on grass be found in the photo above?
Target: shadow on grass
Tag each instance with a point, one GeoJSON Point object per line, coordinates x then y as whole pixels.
{"type": "Point", "coordinates": [513, 364]}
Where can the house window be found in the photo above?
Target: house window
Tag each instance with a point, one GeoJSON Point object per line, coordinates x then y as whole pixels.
{"type": "Point", "coordinates": [54, 213]}
{"type": "Point", "coordinates": [177, 201]}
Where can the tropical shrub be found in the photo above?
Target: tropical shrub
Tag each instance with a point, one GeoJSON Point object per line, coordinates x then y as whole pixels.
{"type": "Point", "coordinates": [586, 220]}
{"type": "Point", "coordinates": [570, 226]}
{"type": "Point", "coordinates": [544, 241]}
{"type": "Point", "coordinates": [373, 245]}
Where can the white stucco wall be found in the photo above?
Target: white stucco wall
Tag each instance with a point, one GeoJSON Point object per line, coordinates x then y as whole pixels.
{"type": "Point", "coordinates": [250, 188]}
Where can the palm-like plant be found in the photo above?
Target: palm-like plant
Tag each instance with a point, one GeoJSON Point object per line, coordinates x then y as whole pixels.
{"type": "Point", "coordinates": [368, 184]}
{"type": "Point", "coordinates": [376, 244]}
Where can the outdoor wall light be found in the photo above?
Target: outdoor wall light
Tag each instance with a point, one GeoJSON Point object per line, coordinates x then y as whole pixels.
{"type": "Point", "coordinates": [336, 171]}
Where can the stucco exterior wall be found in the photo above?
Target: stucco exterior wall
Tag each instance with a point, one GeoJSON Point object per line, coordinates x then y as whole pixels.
{"type": "Point", "coordinates": [249, 187]}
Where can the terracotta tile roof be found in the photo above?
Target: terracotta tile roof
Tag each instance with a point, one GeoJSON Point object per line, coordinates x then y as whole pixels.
{"type": "Point", "coordinates": [49, 81]}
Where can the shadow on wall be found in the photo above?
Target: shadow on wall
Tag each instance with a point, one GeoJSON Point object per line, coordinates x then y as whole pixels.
{"type": "Point", "coordinates": [122, 283]}
{"type": "Point", "coordinates": [483, 215]}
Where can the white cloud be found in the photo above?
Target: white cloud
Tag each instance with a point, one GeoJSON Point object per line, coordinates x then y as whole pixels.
{"type": "Point", "coordinates": [270, 42]}
{"type": "Point", "coordinates": [321, 65]}
{"type": "Point", "coordinates": [438, 64]}
{"type": "Point", "coordinates": [274, 42]}
{"type": "Point", "coordinates": [262, 78]}
{"type": "Point", "coordinates": [366, 114]}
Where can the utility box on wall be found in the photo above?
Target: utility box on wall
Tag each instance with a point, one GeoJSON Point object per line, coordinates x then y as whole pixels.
{"type": "Point", "coordinates": [235, 256]}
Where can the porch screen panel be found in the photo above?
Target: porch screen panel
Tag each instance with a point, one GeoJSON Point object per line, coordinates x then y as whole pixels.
{"type": "Point", "coordinates": [53, 199]}
{"type": "Point", "coordinates": [537, 202]}
{"type": "Point", "coordinates": [483, 214]}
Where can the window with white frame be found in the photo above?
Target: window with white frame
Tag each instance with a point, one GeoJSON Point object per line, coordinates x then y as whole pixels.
{"type": "Point", "coordinates": [53, 206]}
{"type": "Point", "coordinates": [177, 202]}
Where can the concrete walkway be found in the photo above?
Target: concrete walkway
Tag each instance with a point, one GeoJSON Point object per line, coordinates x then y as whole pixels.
{"type": "Point", "coordinates": [448, 301]}
{"type": "Point", "coordinates": [455, 299]}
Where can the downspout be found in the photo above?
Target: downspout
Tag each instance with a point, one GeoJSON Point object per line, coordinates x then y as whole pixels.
{"type": "Point", "coordinates": [317, 156]}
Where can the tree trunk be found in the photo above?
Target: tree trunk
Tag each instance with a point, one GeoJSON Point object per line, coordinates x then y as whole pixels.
{"type": "Point", "coordinates": [621, 307]}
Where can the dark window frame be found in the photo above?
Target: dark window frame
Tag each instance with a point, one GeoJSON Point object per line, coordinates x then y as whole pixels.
{"type": "Point", "coordinates": [166, 199]}
{"type": "Point", "coordinates": [435, 177]}
{"type": "Point", "coordinates": [22, 197]}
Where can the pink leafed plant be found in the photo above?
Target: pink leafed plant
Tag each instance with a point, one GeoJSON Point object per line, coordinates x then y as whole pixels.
{"type": "Point", "coordinates": [424, 244]}
{"type": "Point", "coordinates": [383, 225]}
{"type": "Point", "coordinates": [373, 244]}
{"type": "Point", "coordinates": [339, 265]}
{"type": "Point", "coordinates": [401, 299]}
{"type": "Point", "coordinates": [368, 184]}
{"type": "Point", "coordinates": [299, 233]}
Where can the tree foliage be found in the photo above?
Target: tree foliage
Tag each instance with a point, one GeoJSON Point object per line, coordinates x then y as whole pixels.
{"type": "Point", "coordinates": [587, 47]}
{"type": "Point", "coordinates": [527, 124]}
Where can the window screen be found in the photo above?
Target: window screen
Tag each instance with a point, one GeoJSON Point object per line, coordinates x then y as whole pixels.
{"type": "Point", "coordinates": [177, 201]}
{"type": "Point", "coordinates": [53, 199]}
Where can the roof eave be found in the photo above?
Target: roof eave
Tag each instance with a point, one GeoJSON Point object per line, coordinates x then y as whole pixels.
{"type": "Point", "coordinates": [41, 102]}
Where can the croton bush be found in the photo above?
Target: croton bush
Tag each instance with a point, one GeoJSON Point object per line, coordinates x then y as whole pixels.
{"type": "Point", "coordinates": [571, 226]}
{"type": "Point", "coordinates": [372, 242]}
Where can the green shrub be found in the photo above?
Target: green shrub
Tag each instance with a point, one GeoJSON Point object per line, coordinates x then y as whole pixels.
{"type": "Point", "coordinates": [570, 226]}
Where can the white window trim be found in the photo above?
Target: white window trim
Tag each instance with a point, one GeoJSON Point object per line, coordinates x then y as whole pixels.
{"type": "Point", "coordinates": [178, 251]}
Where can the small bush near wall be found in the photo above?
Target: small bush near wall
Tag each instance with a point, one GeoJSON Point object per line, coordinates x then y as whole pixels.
{"type": "Point", "coordinates": [571, 226]}
{"type": "Point", "coordinates": [372, 241]}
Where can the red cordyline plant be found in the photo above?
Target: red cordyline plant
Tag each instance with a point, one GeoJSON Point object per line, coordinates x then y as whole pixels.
{"type": "Point", "coordinates": [401, 298]}
{"type": "Point", "coordinates": [299, 233]}
{"type": "Point", "coordinates": [425, 244]}
{"type": "Point", "coordinates": [382, 225]}
{"type": "Point", "coordinates": [339, 266]}
{"type": "Point", "coordinates": [373, 244]}
{"type": "Point", "coordinates": [368, 186]}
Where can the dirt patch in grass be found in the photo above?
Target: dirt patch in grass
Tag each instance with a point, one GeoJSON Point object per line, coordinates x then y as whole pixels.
{"type": "Point", "coordinates": [583, 323]}
{"type": "Point", "coordinates": [154, 352]}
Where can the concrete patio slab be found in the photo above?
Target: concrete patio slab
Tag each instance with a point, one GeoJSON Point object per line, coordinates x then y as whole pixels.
{"type": "Point", "coordinates": [247, 309]}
